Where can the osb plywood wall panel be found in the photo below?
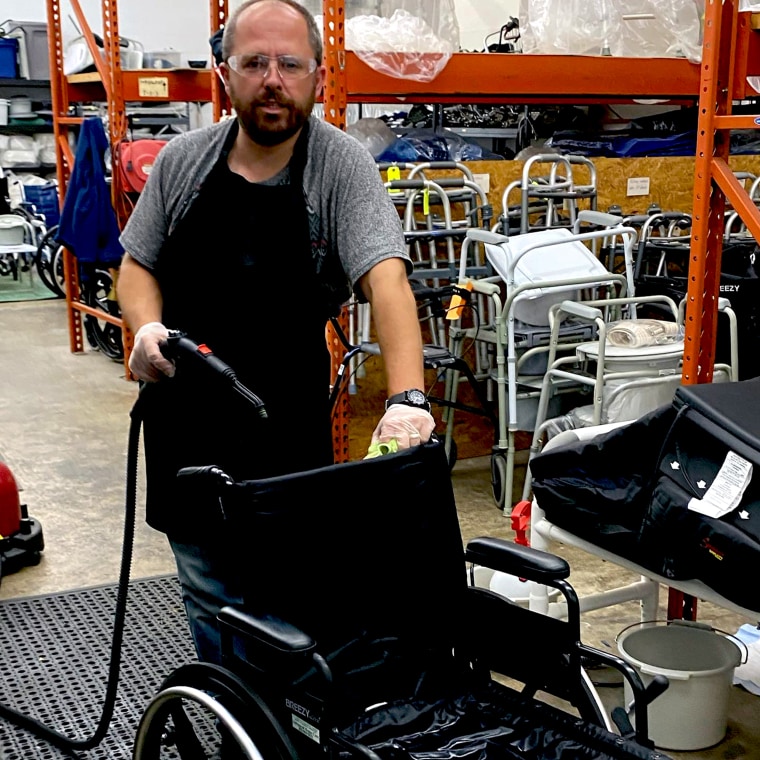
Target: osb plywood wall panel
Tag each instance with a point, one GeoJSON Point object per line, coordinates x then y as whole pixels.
{"type": "Point", "coordinates": [671, 180]}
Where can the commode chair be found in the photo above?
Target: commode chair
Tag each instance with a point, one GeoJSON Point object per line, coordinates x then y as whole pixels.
{"type": "Point", "coordinates": [533, 272]}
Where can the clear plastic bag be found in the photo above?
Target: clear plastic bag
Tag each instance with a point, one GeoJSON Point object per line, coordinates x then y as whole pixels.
{"type": "Point", "coordinates": [413, 39]}
{"type": "Point", "coordinates": [630, 28]}
{"type": "Point", "coordinates": [374, 134]}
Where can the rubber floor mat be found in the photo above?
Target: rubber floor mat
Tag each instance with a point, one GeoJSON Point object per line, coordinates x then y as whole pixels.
{"type": "Point", "coordinates": [27, 287]}
{"type": "Point", "coordinates": [54, 661]}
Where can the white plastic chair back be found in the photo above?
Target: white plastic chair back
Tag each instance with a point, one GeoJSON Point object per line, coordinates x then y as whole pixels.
{"type": "Point", "coordinates": [525, 260]}
{"type": "Point", "coordinates": [13, 230]}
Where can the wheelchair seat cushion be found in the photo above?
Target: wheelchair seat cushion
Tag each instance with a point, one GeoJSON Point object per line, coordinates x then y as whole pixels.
{"type": "Point", "coordinates": [493, 723]}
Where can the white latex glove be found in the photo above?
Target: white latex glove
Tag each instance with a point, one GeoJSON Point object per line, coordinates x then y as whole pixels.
{"type": "Point", "coordinates": [409, 425]}
{"type": "Point", "coordinates": [146, 362]}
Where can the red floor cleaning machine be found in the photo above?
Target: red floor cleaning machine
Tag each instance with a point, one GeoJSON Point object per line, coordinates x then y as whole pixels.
{"type": "Point", "coordinates": [21, 541]}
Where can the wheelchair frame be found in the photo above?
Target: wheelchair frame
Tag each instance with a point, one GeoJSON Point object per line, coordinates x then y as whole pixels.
{"type": "Point", "coordinates": [376, 626]}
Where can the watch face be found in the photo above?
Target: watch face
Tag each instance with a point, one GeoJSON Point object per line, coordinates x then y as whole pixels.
{"type": "Point", "coordinates": [417, 397]}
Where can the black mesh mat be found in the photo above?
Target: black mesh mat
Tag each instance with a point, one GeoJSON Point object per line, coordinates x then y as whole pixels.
{"type": "Point", "coordinates": [54, 660]}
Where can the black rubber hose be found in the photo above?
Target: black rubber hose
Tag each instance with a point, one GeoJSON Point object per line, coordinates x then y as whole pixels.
{"type": "Point", "coordinates": [36, 727]}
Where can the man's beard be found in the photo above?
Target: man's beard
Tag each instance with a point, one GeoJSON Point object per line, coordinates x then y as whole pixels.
{"type": "Point", "coordinates": [268, 130]}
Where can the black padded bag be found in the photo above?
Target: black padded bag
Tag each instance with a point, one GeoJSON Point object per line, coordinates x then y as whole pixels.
{"type": "Point", "coordinates": [710, 421]}
{"type": "Point", "coordinates": [598, 488]}
{"type": "Point", "coordinates": [628, 490]}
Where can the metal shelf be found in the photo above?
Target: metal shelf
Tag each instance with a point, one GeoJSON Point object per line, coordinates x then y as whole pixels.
{"type": "Point", "coordinates": [518, 79]}
{"type": "Point", "coordinates": [36, 89]}
{"type": "Point", "coordinates": [25, 129]}
{"type": "Point", "coordinates": [146, 85]}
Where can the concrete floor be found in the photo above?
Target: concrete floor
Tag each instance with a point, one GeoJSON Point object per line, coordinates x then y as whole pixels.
{"type": "Point", "coordinates": [64, 423]}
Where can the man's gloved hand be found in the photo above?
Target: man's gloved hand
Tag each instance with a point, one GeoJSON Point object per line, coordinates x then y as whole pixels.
{"type": "Point", "coordinates": [409, 425]}
{"type": "Point", "coordinates": [146, 362]}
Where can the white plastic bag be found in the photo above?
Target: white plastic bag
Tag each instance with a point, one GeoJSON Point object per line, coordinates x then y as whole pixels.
{"type": "Point", "coordinates": [748, 673]}
{"type": "Point", "coordinates": [638, 333]}
{"type": "Point", "coordinates": [414, 39]}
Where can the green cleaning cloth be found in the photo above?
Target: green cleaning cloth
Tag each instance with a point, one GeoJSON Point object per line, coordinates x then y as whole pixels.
{"type": "Point", "coordinates": [380, 449]}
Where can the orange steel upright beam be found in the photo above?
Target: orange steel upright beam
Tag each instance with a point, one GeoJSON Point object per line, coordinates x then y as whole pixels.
{"type": "Point", "coordinates": [117, 132]}
{"type": "Point", "coordinates": [59, 96]}
{"type": "Point", "coordinates": [335, 107]}
{"type": "Point", "coordinates": [335, 97]}
{"type": "Point", "coordinates": [710, 172]}
{"type": "Point", "coordinates": [64, 156]}
{"type": "Point", "coordinates": [217, 19]}
{"type": "Point", "coordinates": [117, 111]}
{"type": "Point", "coordinates": [722, 63]}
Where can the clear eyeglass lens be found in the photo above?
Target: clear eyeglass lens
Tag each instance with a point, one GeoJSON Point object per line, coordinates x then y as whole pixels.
{"type": "Point", "coordinates": [256, 66]}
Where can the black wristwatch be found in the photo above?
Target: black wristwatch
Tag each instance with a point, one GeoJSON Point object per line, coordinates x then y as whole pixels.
{"type": "Point", "coordinates": [413, 397]}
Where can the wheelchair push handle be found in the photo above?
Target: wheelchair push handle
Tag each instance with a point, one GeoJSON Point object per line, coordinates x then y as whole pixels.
{"type": "Point", "coordinates": [179, 347]}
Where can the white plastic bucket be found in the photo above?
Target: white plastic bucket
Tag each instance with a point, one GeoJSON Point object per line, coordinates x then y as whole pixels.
{"type": "Point", "coordinates": [510, 586]}
{"type": "Point", "coordinates": [699, 663]}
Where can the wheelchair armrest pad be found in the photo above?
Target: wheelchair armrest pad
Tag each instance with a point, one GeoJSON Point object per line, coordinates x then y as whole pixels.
{"type": "Point", "coordinates": [267, 631]}
{"type": "Point", "coordinates": [516, 559]}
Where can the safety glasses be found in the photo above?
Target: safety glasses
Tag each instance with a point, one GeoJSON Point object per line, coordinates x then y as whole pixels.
{"type": "Point", "coordinates": [256, 66]}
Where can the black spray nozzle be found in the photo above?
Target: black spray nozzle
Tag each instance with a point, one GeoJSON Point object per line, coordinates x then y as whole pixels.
{"type": "Point", "coordinates": [182, 350]}
{"type": "Point", "coordinates": [179, 348]}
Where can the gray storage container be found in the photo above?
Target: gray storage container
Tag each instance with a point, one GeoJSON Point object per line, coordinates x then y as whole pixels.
{"type": "Point", "coordinates": [32, 36]}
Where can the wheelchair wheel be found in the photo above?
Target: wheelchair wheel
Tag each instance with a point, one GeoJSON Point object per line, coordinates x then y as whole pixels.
{"type": "Point", "coordinates": [97, 291]}
{"type": "Point", "coordinates": [48, 260]}
{"type": "Point", "coordinates": [57, 269]}
{"type": "Point", "coordinates": [202, 710]}
{"type": "Point", "coordinates": [452, 454]}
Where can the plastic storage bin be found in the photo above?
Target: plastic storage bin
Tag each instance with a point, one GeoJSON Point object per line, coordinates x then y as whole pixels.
{"type": "Point", "coordinates": [162, 59]}
{"type": "Point", "coordinates": [33, 55]}
{"type": "Point", "coordinates": [8, 57]}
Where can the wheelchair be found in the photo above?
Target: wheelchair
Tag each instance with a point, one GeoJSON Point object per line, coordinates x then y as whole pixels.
{"type": "Point", "coordinates": [364, 635]}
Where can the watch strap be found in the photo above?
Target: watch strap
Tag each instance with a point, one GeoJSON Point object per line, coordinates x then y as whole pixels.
{"type": "Point", "coordinates": [412, 397]}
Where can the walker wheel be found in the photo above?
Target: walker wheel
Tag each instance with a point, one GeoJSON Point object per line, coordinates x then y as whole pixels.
{"type": "Point", "coordinates": [499, 478]}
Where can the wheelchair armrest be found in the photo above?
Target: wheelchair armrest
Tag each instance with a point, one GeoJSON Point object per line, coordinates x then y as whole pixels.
{"type": "Point", "coordinates": [267, 631]}
{"type": "Point", "coordinates": [515, 559]}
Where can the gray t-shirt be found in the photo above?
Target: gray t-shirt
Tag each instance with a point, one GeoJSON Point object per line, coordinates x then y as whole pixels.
{"type": "Point", "coordinates": [352, 218]}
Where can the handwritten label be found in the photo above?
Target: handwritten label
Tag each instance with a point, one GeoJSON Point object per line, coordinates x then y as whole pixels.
{"type": "Point", "coordinates": [153, 87]}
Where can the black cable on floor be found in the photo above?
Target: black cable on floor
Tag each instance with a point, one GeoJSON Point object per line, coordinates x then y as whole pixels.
{"type": "Point", "coordinates": [36, 727]}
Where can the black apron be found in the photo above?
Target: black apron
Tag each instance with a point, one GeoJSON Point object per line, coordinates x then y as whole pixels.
{"type": "Point", "coordinates": [237, 275]}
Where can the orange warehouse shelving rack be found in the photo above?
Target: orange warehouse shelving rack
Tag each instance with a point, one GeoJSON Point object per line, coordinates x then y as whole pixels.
{"type": "Point", "coordinates": [731, 55]}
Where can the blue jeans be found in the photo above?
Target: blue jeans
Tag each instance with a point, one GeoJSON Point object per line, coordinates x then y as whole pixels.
{"type": "Point", "coordinates": [209, 582]}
